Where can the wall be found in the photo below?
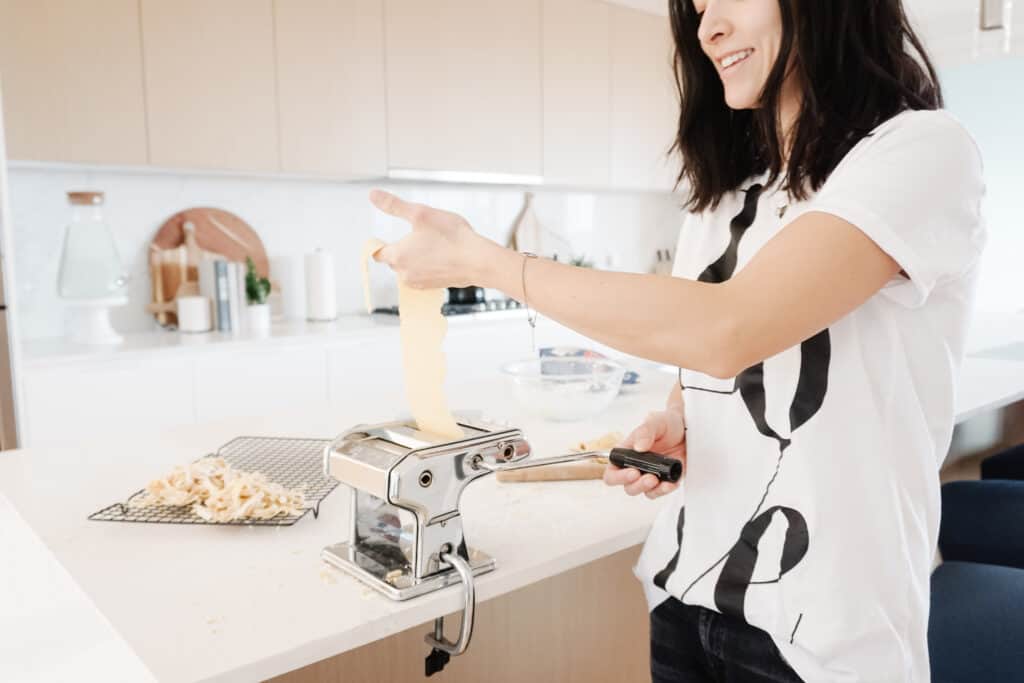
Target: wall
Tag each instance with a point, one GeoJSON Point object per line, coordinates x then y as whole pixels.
{"type": "Point", "coordinates": [988, 97]}
{"type": "Point", "coordinates": [292, 217]}
{"type": "Point", "coordinates": [617, 230]}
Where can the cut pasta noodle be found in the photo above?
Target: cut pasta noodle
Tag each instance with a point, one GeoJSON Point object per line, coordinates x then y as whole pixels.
{"type": "Point", "coordinates": [218, 492]}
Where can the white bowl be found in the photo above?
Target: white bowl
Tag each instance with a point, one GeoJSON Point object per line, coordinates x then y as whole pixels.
{"type": "Point", "coordinates": [565, 389]}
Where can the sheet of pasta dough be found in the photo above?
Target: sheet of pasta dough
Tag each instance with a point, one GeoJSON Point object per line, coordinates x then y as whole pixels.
{"type": "Point", "coordinates": [422, 329]}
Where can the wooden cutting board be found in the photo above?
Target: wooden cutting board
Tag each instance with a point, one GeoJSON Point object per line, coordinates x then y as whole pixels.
{"type": "Point", "coordinates": [569, 471]}
{"type": "Point", "coordinates": [174, 257]}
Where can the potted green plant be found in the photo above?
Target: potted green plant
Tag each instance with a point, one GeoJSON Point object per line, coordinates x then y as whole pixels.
{"type": "Point", "coordinates": [257, 289]}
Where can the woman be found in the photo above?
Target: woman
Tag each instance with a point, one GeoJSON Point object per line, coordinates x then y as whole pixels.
{"type": "Point", "coordinates": [822, 289]}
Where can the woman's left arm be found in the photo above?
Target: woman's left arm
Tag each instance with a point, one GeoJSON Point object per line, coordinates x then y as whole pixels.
{"type": "Point", "coordinates": [815, 271]}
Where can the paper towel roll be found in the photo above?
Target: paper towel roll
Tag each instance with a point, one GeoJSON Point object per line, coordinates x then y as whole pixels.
{"type": "Point", "coordinates": [194, 314]}
{"type": "Point", "coordinates": [289, 272]}
{"type": "Point", "coordinates": [321, 293]}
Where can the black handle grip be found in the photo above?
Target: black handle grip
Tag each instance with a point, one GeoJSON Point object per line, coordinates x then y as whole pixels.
{"type": "Point", "coordinates": [436, 661]}
{"type": "Point", "coordinates": [665, 469]}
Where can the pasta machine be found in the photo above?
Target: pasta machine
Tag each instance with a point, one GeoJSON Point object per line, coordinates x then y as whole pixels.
{"type": "Point", "coordinates": [406, 536]}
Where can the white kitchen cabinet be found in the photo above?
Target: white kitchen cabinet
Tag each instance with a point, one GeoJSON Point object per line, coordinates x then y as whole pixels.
{"type": "Point", "coordinates": [370, 386]}
{"type": "Point", "coordinates": [470, 357]}
{"type": "Point", "coordinates": [101, 395]}
{"type": "Point", "coordinates": [67, 403]}
{"type": "Point", "coordinates": [367, 381]}
{"type": "Point", "coordinates": [330, 77]}
{"type": "Point", "coordinates": [72, 80]}
{"type": "Point", "coordinates": [210, 90]}
{"type": "Point", "coordinates": [644, 105]}
{"type": "Point", "coordinates": [364, 385]}
{"type": "Point", "coordinates": [577, 66]}
{"type": "Point", "coordinates": [259, 382]}
{"type": "Point", "coordinates": [464, 85]}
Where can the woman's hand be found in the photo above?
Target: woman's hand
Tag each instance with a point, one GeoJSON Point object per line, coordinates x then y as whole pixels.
{"type": "Point", "coordinates": [663, 432]}
{"type": "Point", "coordinates": [441, 251]}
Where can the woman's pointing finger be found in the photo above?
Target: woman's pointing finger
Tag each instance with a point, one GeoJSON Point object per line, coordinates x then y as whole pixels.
{"type": "Point", "coordinates": [392, 205]}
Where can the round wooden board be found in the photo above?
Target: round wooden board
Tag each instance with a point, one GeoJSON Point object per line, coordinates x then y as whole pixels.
{"type": "Point", "coordinates": [217, 231]}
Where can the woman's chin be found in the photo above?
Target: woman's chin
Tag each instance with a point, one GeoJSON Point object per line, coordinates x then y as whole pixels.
{"type": "Point", "coordinates": [740, 100]}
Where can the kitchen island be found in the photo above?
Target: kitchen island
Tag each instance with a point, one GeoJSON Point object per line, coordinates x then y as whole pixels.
{"type": "Point", "coordinates": [215, 603]}
{"type": "Point", "coordinates": [231, 603]}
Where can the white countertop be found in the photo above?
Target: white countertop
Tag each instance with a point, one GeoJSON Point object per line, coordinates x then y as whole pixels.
{"type": "Point", "coordinates": [992, 375]}
{"type": "Point", "coordinates": [238, 604]}
{"type": "Point", "coordinates": [988, 384]}
{"type": "Point", "coordinates": [45, 352]}
{"type": "Point", "coordinates": [49, 629]}
{"type": "Point", "coordinates": [247, 603]}
{"type": "Point", "coordinates": [987, 330]}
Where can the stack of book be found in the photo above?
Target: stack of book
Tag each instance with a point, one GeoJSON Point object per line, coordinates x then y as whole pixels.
{"type": "Point", "coordinates": [223, 283]}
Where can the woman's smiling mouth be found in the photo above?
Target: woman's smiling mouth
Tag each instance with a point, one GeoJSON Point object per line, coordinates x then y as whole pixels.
{"type": "Point", "coordinates": [730, 62]}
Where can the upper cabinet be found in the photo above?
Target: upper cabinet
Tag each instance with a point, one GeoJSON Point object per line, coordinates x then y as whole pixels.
{"type": "Point", "coordinates": [72, 80]}
{"type": "Point", "coordinates": [209, 70]}
{"type": "Point", "coordinates": [644, 104]}
{"type": "Point", "coordinates": [330, 77]}
{"type": "Point", "coordinates": [464, 85]}
{"type": "Point", "coordinates": [577, 92]}
{"type": "Point", "coordinates": [576, 55]}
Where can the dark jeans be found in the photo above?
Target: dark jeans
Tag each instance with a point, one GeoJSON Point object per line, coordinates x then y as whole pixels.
{"type": "Point", "coordinates": [692, 644]}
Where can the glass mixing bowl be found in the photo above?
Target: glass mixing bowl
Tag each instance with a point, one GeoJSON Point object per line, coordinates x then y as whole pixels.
{"type": "Point", "coordinates": [565, 389]}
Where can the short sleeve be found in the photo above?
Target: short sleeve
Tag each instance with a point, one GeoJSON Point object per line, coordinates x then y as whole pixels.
{"type": "Point", "coordinates": [914, 186]}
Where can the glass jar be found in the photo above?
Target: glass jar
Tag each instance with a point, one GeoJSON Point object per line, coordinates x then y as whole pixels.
{"type": "Point", "coordinates": [90, 267]}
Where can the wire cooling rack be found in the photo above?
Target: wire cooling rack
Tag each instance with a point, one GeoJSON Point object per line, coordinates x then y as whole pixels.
{"type": "Point", "coordinates": [292, 463]}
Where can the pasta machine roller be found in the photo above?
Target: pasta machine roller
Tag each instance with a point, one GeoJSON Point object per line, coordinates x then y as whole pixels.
{"type": "Point", "coordinates": [406, 535]}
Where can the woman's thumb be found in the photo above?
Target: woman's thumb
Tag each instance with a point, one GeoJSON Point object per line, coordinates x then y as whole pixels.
{"type": "Point", "coordinates": [643, 439]}
{"type": "Point", "coordinates": [385, 255]}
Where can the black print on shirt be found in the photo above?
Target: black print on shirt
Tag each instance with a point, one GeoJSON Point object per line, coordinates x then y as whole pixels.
{"type": "Point", "coordinates": [736, 576]}
{"type": "Point", "coordinates": [738, 572]}
{"type": "Point", "coordinates": [722, 269]}
{"type": "Point", "coordinates": [661, 577]}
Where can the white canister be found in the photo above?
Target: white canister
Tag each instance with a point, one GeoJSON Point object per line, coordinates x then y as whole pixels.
{"type": "Point", "coordinates": [290, 278]}
{"type": "Point", "coordinates": [194, 314]}
{"type": "Point", "coordinates": [321, 292]}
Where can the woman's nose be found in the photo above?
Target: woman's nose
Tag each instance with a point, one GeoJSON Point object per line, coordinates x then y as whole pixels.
{"type": "Point", "coordinates": [713, 27]}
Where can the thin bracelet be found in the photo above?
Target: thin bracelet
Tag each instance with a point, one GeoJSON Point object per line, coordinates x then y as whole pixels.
{"type": "Point", "coordinates": [531, 316]}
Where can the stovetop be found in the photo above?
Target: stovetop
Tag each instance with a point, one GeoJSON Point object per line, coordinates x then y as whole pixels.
{"type": "Point", "coordinates": [463, 309]}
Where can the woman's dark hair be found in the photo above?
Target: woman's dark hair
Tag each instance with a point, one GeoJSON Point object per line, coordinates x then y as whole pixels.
{"type": "Point", "coordinates": [853, 60]}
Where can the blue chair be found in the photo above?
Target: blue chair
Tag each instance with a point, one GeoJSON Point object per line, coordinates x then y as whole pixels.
{"type": "Point", "coordinates": [976, 626]}
{"type": "Point", "coordinates": [1008, 464]}
{"type": "Point", "coordinates": [983, 521]}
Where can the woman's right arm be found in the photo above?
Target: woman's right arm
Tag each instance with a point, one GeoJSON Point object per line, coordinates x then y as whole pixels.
{"type": "Point", "coordinates": [663, 432]}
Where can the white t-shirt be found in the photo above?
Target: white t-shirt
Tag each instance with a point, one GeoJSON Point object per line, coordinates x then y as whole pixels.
{"type": "Point", "coordinates": [810, 506]}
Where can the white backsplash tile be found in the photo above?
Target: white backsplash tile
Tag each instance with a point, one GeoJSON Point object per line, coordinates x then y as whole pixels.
{"type": "Point", "coordinates": [293, 217]}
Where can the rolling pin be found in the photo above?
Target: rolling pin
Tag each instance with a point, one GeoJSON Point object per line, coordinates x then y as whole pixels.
{"type": "Point", "coordinates": [569, 471]}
